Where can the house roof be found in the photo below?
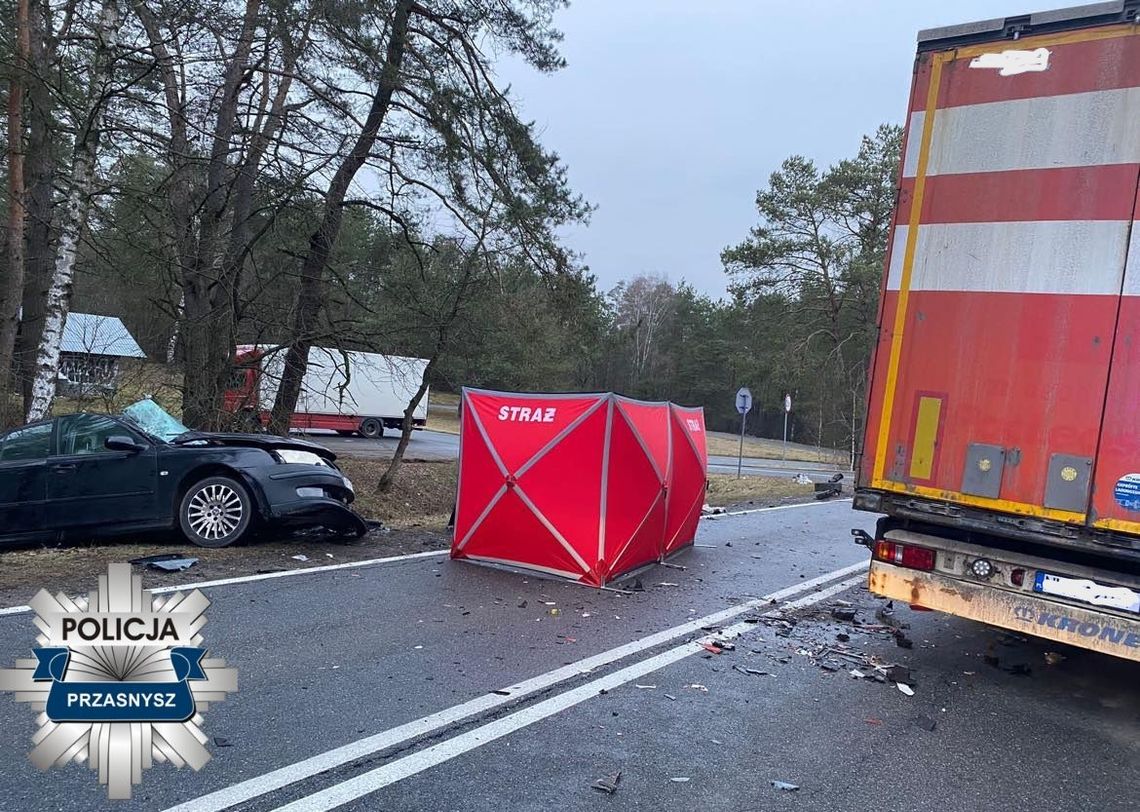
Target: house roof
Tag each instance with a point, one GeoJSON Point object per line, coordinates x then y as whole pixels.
{"type": "Point", "coordinates": [98, 335]}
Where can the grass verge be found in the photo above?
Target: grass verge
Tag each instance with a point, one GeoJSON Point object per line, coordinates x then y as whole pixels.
{"type": "Point", "coordinates": [728, 445]}
{"type": "Point", "coordinates": [726, 489]}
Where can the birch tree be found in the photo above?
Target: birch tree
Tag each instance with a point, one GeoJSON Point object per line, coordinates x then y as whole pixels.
{"type": "Point", "coordinates": [81, 178]}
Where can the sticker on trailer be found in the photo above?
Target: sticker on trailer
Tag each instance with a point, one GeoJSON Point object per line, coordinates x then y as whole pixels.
{"type": "Point", "coordinates": [1127, 492]}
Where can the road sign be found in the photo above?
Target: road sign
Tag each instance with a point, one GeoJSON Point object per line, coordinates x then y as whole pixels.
{"type": "Point", "coordinates": [743, 400]}
{"type": "Point", "coordinates": [787, 403]}
{"type": "Point", "coordinates": [743, 405]}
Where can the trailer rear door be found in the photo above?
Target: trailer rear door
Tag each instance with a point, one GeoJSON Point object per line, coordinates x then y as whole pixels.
{"type": "Point", "coordinates": [1006, 271]}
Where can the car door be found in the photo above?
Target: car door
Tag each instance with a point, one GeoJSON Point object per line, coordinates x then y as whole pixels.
{"type": "Point", "coordinates": [92, 485]}
{"type": "Point", "coordinates": [23, 478]}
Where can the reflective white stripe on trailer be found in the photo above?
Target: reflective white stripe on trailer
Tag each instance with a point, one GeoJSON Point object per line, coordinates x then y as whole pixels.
{"type": "Point", "coordinates": [1083, 257]}
{"type": "Point", "coordinates": [1076, 129]}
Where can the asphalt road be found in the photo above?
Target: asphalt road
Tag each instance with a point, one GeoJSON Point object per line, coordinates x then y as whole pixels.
{"type": "Point", "coordinates": [437, 445]}
{"type": "Point", "coordinates": [343, 658]}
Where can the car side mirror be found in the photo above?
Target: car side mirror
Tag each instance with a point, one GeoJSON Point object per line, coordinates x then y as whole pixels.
{"type": "Point", "coordinates": [121, 442]}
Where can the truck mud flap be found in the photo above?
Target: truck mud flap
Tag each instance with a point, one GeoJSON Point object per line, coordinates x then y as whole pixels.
{"type": "Point", "coordinates": [1019, 612]}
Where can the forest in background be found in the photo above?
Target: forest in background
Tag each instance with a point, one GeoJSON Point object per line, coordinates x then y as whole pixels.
{"type": "Point", "coordinates": [353, 174]}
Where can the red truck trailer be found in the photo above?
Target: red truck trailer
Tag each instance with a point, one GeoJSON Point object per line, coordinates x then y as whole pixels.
{"type": "Point", "coordinates": [1003, 432]}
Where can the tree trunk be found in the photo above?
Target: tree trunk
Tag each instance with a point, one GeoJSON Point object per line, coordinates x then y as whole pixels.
{"type": "Point", "coordinates": [203, 333]}
{"type": "Point", "coordinates": [311, 295]}
{"type": "Point", "coordinates": [40, 177]}
{"type": "Point", "coordinates": [389, 477]}
{"type": "Point", "coordinates": [76, 205]}
{"type": "Point", "coordinates": [12, 280]}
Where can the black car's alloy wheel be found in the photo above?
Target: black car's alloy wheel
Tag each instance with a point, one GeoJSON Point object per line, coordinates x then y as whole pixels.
{"type": "Point", "coordinates": [215, 512]}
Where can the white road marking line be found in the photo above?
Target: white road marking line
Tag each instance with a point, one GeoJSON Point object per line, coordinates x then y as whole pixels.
{"type": "Point", "coordinates": [775, 507]}
{"type": "Point", "coordinates": [284, 776]}
{"type": "Point", "coordinates": [245, 579]}
{"type": "Point", "coordinates": [265, 576]}
{"type": "Point", "coordinates": [409, 765]}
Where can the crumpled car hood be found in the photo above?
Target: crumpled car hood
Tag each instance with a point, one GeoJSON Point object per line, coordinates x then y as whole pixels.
{"type": "Point", "coordinates": [267, 441]}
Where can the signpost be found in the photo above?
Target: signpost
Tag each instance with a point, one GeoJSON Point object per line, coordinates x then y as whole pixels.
{"type": "Point", "coordinates": [787, 411]}
{"type": "Point", "coordinates": [744, 406]}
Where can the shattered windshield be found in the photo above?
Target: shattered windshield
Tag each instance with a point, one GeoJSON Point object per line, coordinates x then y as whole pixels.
{"type": "Point", "coordinates": [154, 420]}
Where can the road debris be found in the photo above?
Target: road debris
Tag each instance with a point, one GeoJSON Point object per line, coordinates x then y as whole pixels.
{"type": "Point", "coordinates": [522, 604]}
{"type": "Point", "coordinates": [906, 689]}
{"type": "Point", "coordinates": [1054, 658]}
{"type": "Point", "coordinates": [680, 779]}
{"type": "Point", "coordinates": [873, 721]}
{"type": "Point", "coordinates": [554, 611]}
{"type": "Point", "coordinates": [665, 583]}
{"type": "Point", "coordinates": [898, 673]}
{"type": "Point", "coordinates": [670, 697]}
{"type": "Point", "coordinates": [926, 723]}
{"type": "Point", "coordinates": [711, 647]}
{"type": "Point", "coordinates": [166, 562]}
{"type": "Point", "coordinates": [752, 672]}
{"type": "Point", "coordinates": [222, 741]}
{"type": "Point", "coordinates": [783, 786]}
{"type": "Point", "coordinates": [646, 687]}
{"type": "Point", "coordinates": [802, 479]}
{"type": "Point", "coordinates": [844, 613]}
{"type": "Point", "coordinates": [696, 686]}
{"type": "Point", "coordinates": [299, 557]}
{"type": "Point", "coordinates": [608, 784]}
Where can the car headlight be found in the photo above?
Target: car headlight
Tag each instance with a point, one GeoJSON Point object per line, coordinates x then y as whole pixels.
{"type": "Point", "coordinates": [348, 484]}
{"type": "Point", "coordinates": [311, 493]}
{"type": "Point", "coordinates": [301, 457]}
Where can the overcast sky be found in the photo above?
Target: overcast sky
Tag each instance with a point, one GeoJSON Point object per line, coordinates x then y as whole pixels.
{"type": "Point", "coordinates": [672, 113]}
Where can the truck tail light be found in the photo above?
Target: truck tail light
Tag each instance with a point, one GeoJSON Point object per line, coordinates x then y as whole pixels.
{"type": "Point", "coordinates": [1017, 576]}
{"type": "Point", "coordinates": [904, 555]}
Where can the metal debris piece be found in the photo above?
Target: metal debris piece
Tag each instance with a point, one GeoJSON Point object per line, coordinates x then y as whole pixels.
{"type": "Point", "coordinates": [666, 583]}
{"type": "Point", "coordinates": [646, 687]}
{"type": "Point", "coordinates": [166, 562]}
{"type": "Point", "coordinates": [844, 613]}
{"type": "Point", "coordinates": [299, 557]}
{"type": "Point", "coordinates": [608, 784]}
{"type": "Point", "coordinates": [783, 786]}
{"type": "Point", "coordinates": [696, 686]}
{"type": "Point", "coordinates": [906, 689]}
{"type": "Point", "coordinates": [857, 674]}
{"type": "Point", "coordinates": [222, 741]}
{"type": "Point", "coordinates": [680, 779]}
{"type": "Point", "coordinates": [670, 697]}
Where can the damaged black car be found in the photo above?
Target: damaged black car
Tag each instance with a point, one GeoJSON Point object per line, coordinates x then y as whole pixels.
{"type": "Point", "coordinates": [83, 475]}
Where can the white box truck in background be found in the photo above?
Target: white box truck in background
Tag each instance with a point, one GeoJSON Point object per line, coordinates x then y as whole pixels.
{"type": "Point", "coordinates": [345, 391]}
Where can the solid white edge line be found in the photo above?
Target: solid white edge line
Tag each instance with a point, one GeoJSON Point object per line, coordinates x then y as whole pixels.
{"type": "Point", "coordinates": [409, 765]}
{"type": "Point", "coordinates": [265, 576]}
{"type": "Point", "coordinates": [301, 770]}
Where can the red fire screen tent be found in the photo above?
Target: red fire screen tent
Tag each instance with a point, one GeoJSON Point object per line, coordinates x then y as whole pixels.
{"type": "Point", "coordinates": [586, 487]}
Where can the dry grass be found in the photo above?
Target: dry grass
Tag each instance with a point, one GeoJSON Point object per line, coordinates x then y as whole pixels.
{"type": "Point", "coordinates": [725, 489]}
{"type": "Point", "coordinates": [423, 495]}
{"type": "Point", "coordinates": [727, 445]}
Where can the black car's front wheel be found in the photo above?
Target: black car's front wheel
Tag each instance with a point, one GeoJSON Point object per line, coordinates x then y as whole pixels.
{"type": "Point", "coordinates": [215, 512]}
